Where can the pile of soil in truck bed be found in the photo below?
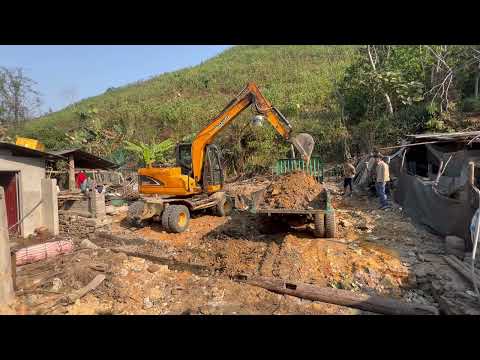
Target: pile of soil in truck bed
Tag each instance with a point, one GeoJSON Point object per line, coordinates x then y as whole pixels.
{"type": "Point", "coordinates": [294, 191]}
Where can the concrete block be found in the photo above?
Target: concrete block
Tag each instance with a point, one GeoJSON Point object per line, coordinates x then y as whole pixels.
{"type": "Point", "coordinates": [7, 295]}
{"type": "Point", "coordinates": [50, 205]}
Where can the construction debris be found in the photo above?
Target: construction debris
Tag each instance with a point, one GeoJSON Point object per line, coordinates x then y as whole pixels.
{"type": "Point", "coordinates": [380, 263]}
{"type": "Point", "coordinates": [43, 251]}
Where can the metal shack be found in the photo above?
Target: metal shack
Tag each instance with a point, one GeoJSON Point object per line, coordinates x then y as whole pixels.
{"type": "Point", "coordinates": [30, 197]}
{"type": "Point", "coordinates": [438, 177]}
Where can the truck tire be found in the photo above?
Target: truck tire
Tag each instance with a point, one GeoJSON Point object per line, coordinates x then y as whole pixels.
{"type": "Point", "coordinates": [319, 222]}
{"type": "Point", "coordinates": [135, 212]}
{"type": "Point", "coordinates": [330, 225]}
{"type": "Point", "coordinates": [178, 218]}
{"type": "Point", "coordinates": [165, 217]}
{"type": "Point", "coordinates": [224, 207]}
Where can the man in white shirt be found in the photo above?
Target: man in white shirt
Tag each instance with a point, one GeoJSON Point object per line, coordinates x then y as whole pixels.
{"type": "Point", "coordinates": [382, 177]}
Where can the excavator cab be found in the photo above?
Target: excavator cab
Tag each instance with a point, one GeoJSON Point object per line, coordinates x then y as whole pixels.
{"type": "Point", "coordinates": [183, 154]}
{"type": "Point", "coordinates": [213, 175]}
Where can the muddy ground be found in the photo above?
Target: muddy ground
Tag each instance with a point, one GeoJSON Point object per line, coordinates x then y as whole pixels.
{"type": "Point", "coordinates": [377, 252]}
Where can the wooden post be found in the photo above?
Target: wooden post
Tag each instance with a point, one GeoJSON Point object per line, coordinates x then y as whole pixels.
{"type": "Point", "coordinates": [71, 173]}
{"type": "Point", "coordinates": [471, 181]}
{"type": "Point", "coordinates": [471, 172]}
{"type": "Point", "coordinates": [7, 294]}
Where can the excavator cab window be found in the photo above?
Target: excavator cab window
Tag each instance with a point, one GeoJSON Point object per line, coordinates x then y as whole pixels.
{"type": "Point", "coordinates": [184, 158]}
{"type": "Point", "coordinates": [213, 171]}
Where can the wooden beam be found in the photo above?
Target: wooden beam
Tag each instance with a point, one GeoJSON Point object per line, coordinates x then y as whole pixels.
{"type": "Point", "coordinates": [462, 269]}
{"type": "Point", "coordinates": [412, 144]}
{"type": "Point", "coordinates": [375, 304]}
{"type": "Point", "coordinates": [71, 173]}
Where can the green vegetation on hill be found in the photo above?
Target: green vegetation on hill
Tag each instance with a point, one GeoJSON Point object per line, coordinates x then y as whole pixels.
{"type": "Point", "coordinates": [350, 98]}
{"type": "Point", "coordinates": [297, 79]}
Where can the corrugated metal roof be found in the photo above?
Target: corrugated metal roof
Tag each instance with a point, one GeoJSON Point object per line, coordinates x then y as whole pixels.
{"type": "Point", "coordinates": [18, 150]}
{"type": "Point", "coordinates": [86, 160]}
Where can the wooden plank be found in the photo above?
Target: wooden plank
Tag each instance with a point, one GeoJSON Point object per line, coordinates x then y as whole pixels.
{"type": "Point", "coordinates": [71, 298]}
{"type": "Point", "coordinates": [461, 269]}
{"type": "Point", "coordinates": [376, 304]}
{"type": "Point", "coordinates": [92, 285]}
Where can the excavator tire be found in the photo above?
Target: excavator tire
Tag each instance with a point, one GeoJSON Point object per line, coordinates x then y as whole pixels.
{"type": "Point", "coordinates": [165, 217]}
{"type": "Point", "coordinates": [179, 218]}
{"type": "Point", "coordinates": [330, 225]}
{"type": "Point", "coordinates": [224, 207]}
{"type": "Point", "coordinates": [319, 230]}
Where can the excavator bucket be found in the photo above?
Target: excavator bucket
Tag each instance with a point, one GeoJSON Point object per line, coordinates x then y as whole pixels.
{"type": "Point", "coordinates": [304, 144]}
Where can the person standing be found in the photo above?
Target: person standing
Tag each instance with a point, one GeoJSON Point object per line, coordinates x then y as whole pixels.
{"type": "Point", "coordinates": [349, 174]}
{"type": "Point", "coordinates": [382, 177]}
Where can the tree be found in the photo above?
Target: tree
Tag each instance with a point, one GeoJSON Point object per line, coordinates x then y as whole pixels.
{"type": "Point", "coordinates": [19, 100]}
{"type": "Point", "coordinates": [150, 153]}
{"type": "Point", "coordinates": [374, 58]}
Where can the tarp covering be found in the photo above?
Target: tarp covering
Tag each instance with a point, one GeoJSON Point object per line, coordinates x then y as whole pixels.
{"type": "Point", "coordinates": [425, 205]}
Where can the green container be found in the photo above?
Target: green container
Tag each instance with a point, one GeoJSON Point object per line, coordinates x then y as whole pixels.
{"type": "Point", "coordinates": [118, 202]}
{"type": "Point", "coordinates": [315, 168]}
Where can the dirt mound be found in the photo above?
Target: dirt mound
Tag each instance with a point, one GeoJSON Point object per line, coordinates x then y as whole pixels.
{"type": "Point", "coordinates": [294, 191]}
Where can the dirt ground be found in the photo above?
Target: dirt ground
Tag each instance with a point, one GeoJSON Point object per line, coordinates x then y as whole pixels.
{"type": "Point", "coordinates": [376, 252]}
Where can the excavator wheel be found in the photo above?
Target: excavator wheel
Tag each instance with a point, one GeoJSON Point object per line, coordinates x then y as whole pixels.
{"type": "Point", "coordinates": [165, 217]}
{"type": "Point", "coordinates": [330, 225]}
{"type": "Point", "coordinates": [178, 218]}
{"type": "Point", "coordinates": [319, 230]}
{"type": "Point", "coordinates": [224, 207]}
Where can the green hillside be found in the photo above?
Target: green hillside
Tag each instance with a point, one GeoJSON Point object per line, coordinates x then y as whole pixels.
{"type": "Point", "coordinates": [297, 79]}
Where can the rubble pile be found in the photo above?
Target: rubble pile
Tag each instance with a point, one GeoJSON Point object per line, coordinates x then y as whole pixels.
{"type": "Point", "coordinates": [81, 226]}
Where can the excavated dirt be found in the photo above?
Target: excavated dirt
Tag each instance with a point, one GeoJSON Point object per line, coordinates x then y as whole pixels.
{"type": "Point", "coordinates": [376, 252]}
{"type": "Point", "coordinates": [294, 191]}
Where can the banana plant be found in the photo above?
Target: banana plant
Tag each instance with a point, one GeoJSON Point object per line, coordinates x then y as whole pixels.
{"type": "Point", "coordinates": [149, 153]}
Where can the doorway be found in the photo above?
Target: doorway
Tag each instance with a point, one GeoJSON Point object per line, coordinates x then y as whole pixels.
{"type": "Point", "coordinates": [9, 182]}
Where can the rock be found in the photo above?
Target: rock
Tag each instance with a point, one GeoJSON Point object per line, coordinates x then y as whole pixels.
{"type": "Point", "coordinates": [344, 223]}
{"type": "Point", "coordinates": [147, 304]}
{"type": "Point", "coordinates": [364, 225]}
{"type": "Point", "coordinates": [57, 284]}
{"type": "Point", "coordinates": [153, 268]}
{"type": "Point", "coordinates": [455, 246]}
{"type": "Point", "coordinates": [87, 244]}
{"type": "Point", "coordinates": [124, 272]}
{"type": "Point", "coordinates": [41, 229]}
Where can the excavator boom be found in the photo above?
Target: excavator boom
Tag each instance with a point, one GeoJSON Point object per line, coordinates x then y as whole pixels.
{"type": "Point", "coordinates": [248, 96]}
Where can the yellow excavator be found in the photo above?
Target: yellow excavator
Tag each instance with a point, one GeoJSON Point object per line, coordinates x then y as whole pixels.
{"type": "Point", "coordinates": [196, 183]}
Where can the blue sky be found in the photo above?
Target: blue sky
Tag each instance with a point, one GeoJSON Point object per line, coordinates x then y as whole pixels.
{"type": "Point", "coordinates": [69, 73]}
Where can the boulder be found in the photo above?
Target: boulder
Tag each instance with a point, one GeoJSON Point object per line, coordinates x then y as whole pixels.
{"type": "Point", "coordinates": [455, 246]}
{"type": "Point", "coordinates": [88, 244]}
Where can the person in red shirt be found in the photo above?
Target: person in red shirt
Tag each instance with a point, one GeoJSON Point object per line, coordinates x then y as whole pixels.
{"type": "Point", "coordinates": [81, 177]}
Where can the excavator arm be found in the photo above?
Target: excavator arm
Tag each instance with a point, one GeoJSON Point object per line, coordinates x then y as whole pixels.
{"type": "Point", "coordinates": [248, 96]}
